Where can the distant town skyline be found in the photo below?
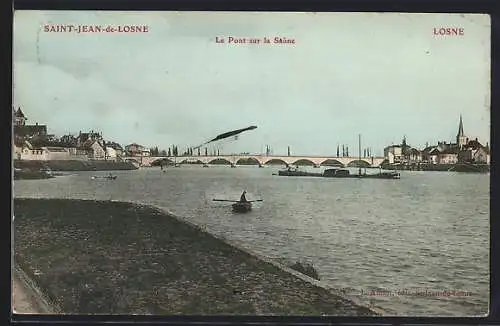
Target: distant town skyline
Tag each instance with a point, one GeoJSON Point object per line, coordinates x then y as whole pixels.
{"type": "Point", "coordinates": [384, 76]}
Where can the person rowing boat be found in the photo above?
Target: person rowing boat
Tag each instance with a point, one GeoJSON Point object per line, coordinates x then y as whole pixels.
{"type": "Point", "coordinates": [243, 198]}
{"type": "Point", "coordinates": [241, 206]}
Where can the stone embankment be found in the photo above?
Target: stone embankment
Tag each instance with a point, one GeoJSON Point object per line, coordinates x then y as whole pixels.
{"type": "Point", "coordinates": [105, 257]}
{"type": "Point", "coordinates": [73, 165]}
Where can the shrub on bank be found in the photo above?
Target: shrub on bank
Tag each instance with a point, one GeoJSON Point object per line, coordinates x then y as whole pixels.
{"type": "Point", "coordinates": [306, 269]}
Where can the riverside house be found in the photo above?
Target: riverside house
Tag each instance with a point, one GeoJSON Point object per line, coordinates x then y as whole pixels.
{"type": "Point", "coordinates": [136, 150]}
{"type": "Point", "coordinates": [402, 154]}
{"type": "Point", "coordinates": [114, 151]}
{"type": "Point", "coordinates": [430, 155]}
{"type": "Point", "coordinates": [94, 149]}
{"type": "Point", "coordinates": [475, 152]}
{"type": "Point", "coordinates": [393, 154]}
{"type": "Point", "coordinates": [448, 156]}
{"type": "Point", "coordinates": [45, 150]}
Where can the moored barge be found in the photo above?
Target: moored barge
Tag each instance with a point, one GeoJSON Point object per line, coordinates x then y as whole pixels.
{"type": "Point", "coordinates": [340, 173]}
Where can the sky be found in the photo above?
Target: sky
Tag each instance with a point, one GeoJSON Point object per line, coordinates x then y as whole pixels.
{"type": "Point", "coordinates": [381, 75]}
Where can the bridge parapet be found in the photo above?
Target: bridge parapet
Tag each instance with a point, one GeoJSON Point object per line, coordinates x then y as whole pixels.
{"type": "Point", "coordinates": [263, 159]}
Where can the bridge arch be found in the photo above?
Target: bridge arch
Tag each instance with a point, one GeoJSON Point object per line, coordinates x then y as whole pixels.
{"type": "Point", "coordinates": [161, 161]}
{"type": "Point", "coordinates": [248, 161]}
{"type": "Point", "coordinates": [191, 161]}
{"type": "Point", "coordinates": [331, 162]}
{"type": "Point", "coordinates": [359, 164]}
{"type": "Point", "coordinates": [303, 162]}
{"type": "Point", "coordinates": [275, 161]}
{"type": "Point", "coordinates": [220, 161]}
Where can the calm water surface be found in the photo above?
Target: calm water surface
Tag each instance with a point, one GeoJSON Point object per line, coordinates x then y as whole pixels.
{"type": "Point", "coordinates": [429, 230]}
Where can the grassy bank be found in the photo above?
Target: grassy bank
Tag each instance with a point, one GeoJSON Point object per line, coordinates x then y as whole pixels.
{"type": "Point", "coordinates": [73, 165]}
{"type": "Point", "coordinates": [114, 257]}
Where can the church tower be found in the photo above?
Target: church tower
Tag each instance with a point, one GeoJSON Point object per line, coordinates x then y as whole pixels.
{"type": "Point", "coordinates": [461, 139]}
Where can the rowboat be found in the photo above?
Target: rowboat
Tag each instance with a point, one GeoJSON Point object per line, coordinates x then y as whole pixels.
{"type": "Point", "coordinates": [242, 207]}
{"type": "Point", "coordinates": [105, 177]}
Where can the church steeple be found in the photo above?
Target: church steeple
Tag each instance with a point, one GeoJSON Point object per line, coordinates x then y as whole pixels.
{"type": "Point", "coordinates": [461, 139]}
{"type": "Point", "coordinates": [460, 128]}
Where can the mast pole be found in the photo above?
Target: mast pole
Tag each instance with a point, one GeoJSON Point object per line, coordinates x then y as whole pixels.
{"type": "Point", "coordinates": [359, 149]}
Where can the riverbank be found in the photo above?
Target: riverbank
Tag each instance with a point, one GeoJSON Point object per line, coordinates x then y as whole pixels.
{"type": "Point", "coordinates": [471, 168]}
{"type": "Point", "coordinates": [122, 258]}
{"type": "Point", "coordinates": [31, 175]}
{"type": "Point", "coordinates": [73, 165]}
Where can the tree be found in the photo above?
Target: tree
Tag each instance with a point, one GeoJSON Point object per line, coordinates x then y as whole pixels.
{"type": "Point", "coordinates": [343, 150]}
{"type": "Point", "coordinates": [169, 152]}
{"type": "Point", "coordinates": [199, 152]}
{"type": "Point", "coordinates": [347, 151]}
{"type": "Point", "coordinates": [206, 151]}
{"type": "Point", "coordinates": [364, 152]}
{"type": "Point", "coordinates": [288, 150]}
{"type": "Point", "coordinates": [163, 152]}
{"type": "Point", "coordinates": [338, 148]}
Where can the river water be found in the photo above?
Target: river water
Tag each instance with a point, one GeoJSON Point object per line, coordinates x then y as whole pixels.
{"type": "Point", "coordinates": [426, 231]}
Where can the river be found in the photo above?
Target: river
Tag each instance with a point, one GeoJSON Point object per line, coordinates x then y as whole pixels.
{"type": "Point", "coordinates": [426, 231]}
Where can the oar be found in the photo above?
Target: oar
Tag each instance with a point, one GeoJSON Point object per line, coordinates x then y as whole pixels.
{"type": "Point", "coordinates": [237, 201]}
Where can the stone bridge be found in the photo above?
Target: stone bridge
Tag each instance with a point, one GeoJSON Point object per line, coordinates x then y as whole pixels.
{"type": "Point", "coordinates": [260, 159]}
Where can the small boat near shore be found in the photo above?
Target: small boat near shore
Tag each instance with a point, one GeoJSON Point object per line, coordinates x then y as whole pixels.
{"type": "Point", "coordinates": [108, 177]}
